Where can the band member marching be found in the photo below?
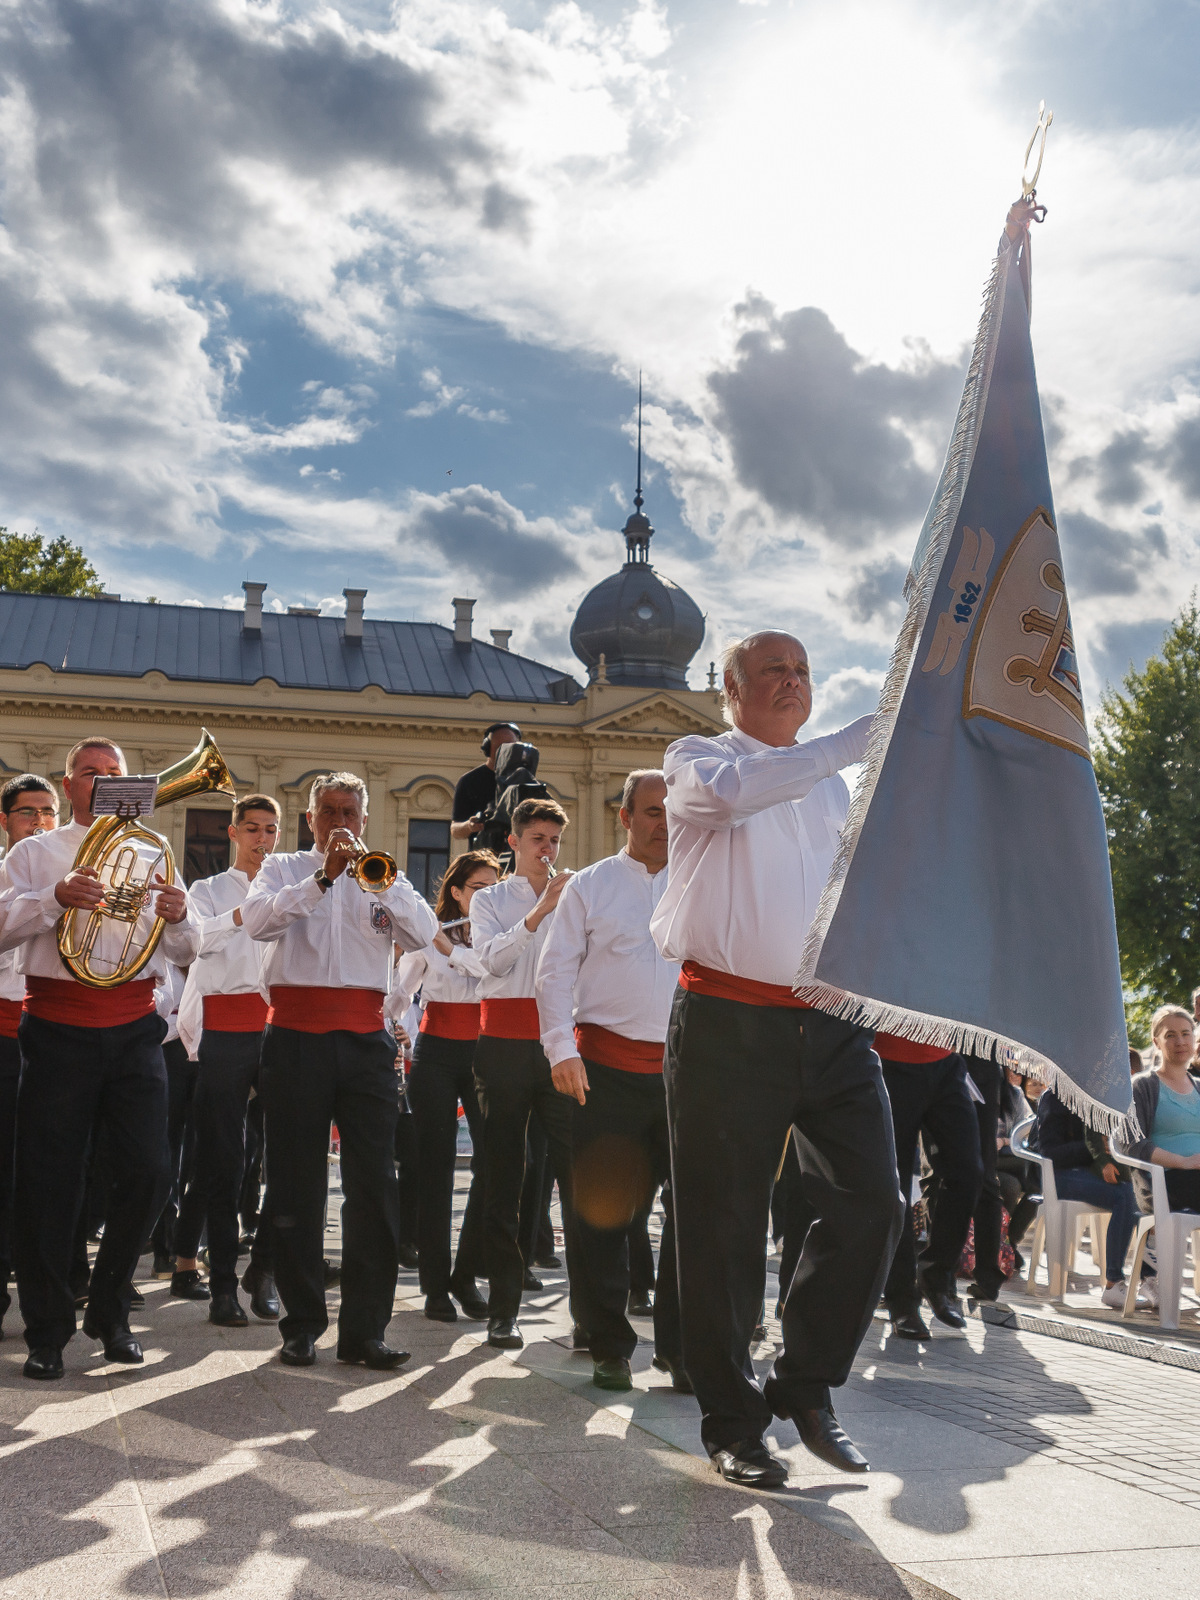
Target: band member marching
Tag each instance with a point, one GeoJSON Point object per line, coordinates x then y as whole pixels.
{"type": "Point", "coordinates": [328, 1056]}
{"type": "Point", "coordinates": [221, 1021]}
{"type": "Point", "coordinates": [447, 972]}
{"type": "Point", "coordinates": [90, 1058]}
{"type": "Point", "coordinates": [604, 998]}
{"type": "Point", "coordinates": [28, 805]}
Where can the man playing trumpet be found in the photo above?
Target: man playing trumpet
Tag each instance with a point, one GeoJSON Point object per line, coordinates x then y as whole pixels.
{"type": "Point", "coordinates": [327, 1056]}
{"type": "Point", "coordinates": [90, 1058]}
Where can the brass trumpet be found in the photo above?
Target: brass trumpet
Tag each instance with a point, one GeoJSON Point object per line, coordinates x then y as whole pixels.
{"type": "Point", "coordinates": [372, 870]}
{"type": "Point", "coordinates": [109, 847]}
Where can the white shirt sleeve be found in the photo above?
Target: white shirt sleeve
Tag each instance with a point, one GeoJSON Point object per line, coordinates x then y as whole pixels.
{"type": "Point", "coordinates": [181, 940]}
{"type": "Point", "coordinates": [25, 911]}
{"type": "Point", "coordinates": [462, 958]}
{"type": "Point", "coordinates": [496, 947]}
{"type": "Point", "coordinates": [407, 976]}
{"type": "Point", "coordinates": [558, 967]}
{"type": "Point", "coordinates": [271, 907]}
{"type": "Point", "coordinates": [713, 789]}
{"type": "Point", "coordinates": [413, 921]}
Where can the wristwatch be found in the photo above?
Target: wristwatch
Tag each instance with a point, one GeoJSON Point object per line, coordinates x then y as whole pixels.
{"type": "Point", "coordinates": [322, 880]}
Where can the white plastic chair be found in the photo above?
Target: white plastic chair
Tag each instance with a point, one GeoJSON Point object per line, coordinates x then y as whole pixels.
{"type": "Point", "coordinates": [1171, 1230]}
{"type": "Point", "coordinates": [1059, 1223]}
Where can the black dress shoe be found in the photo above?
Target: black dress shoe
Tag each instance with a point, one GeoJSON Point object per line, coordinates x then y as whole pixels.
{"type": "Point", "coordinates": [504, 1334]}
{"type": "Point", "coordinates": [751, 1464]}
{"type": "Point", "coordinates": [136, 1298]}
{"type": "Point", "coordinates": [612, 1372]}
{"type": "Point", "coordinates": [549, 1262]}
{"type": "Point", "coordinates": [226, 1311]}
{"type": "Point", "coordinates": [373, 1353]}
{"type": "Point", "coordinates": [189, 1285]}
{"type": "Point", "coordinates": [44, 1363]}
{"type": "Point", "coordinates": [119, 1344]}
{"type": "Point", "coordinates": [983, 1294]}
{"type": "Point", "coordinates": [945, 1308]}
{"type": "Point", "coordinates": [639, 1304]}
{"type": "Point", "coordinates": [80, 1292]}
{"type": "Point", "coordinates": [531, 1282]}
{"type": "Point", "coordinates": [440, 1308]}
{"type": "Point", "coordinates": [164, 1265]}
{"type": "Point", "coordinates": [260, 1286]}
{"type": "Point", "coordinates": [299, 1351]}
{"type": "Point", "coordinates": [407, 1256]}
{"type": "Point", "coordinates": [474, 1306]}
{"type": "Point", "coordinates": [908, 1324]}
{"type": "Point", "coordinates": [580, 1339]}
{"type": "Point", "coordinates": [680, 1381]}
{"type": "Point", "coordinates": [821, 1433]}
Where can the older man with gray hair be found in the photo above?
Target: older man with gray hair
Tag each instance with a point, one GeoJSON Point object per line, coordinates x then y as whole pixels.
{"type": "Point", "coordinates": [327, 1057]}
{"type": "Point", "coordinates": [754, 822]}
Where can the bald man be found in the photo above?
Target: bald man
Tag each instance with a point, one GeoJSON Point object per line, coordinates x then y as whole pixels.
{"type": "Point", "coordinates": [754, 819]}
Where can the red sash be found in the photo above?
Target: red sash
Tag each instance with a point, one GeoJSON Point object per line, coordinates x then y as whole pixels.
{"type": "Point", "coordinates": [451, 1019]}
{"type": "Point", "coordinates": [510, 1019]}
{"type": "Point", "coordinates": [727, 986]}
{"type": "Point", "coordinates": [891, 1047]}
{"type": "Point", "coordinates": [235, 1013]}
{"type": "Point", "coordinates": [80, 1006]}
{"type": "Point", "coordinates": [615, 1050]}
{"type": "Point", "coordinates": [10, 1016]}
{"type": "Point", "coordinates": [307, 1009]}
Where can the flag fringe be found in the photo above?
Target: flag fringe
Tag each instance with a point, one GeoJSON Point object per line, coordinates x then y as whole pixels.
{"type": "Point", "coordinates": [966, 1039]}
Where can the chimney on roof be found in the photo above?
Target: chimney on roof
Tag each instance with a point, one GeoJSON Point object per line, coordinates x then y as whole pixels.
{"type": "Point", "coordinates": [354, 614]}
{"type": "Point", "coordinates": [463, 612]}
{"type": "Point", "coordinates": [252, 616]}
{"type": "Point", "coordinates": [108, 596]}
{"type": "Point", "coordinates": [500, 637]}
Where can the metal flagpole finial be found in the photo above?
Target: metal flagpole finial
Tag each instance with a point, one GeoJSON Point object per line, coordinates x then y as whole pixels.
{"type": "Point", "coordinates": [1028, 181]}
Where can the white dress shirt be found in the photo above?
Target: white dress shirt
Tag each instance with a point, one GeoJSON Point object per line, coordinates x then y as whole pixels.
{"type": "Point", "coordinates": [337, 938]}
{"type": "Point", "coordinates": [452, 980]}
{"type": "Point", "coordinates": [753, 830]}
{"type": "Point", "coordinates": [600, 964]}
{"type": "Point", "coordinates": [168, 997]}
{"type": "Point", "coordinates": [29, 912]}
{"type": "Point", "coordinates": [229, 961]}
{"type": "Point", "coordinates": [12, 979]}
{"type": "Point", "coordinates": [504, 946]}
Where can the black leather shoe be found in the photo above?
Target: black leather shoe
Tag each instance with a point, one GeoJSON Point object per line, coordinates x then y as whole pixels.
{"type": "Point", "coordinates": [983, 1294]}
{"type": "Point", "coordinates": [680, 1381]}
{"type": "Point", "coordinates": [549, 1262]}
{"type": "Point", "coordinates": [226, 1311]}
{"type": "Point", "coordinates": [44, 1363]}
{"type": "Point", "coordinates": [407, 1256]}
{"type": "Point", "coordinates": [612, 1372]}
{"type": "Point", "coordinates": [136, 1297]}
{"type": "Point", "coordinates": [504, 1334]}
{"type": "Point", "coordinates": [639, 1304]}
{"type": "Point", "coordinates": [119, 1344]}
{"type": "Point", "coordinates": [821, 1433]}
{"type": "Point", "coordinates": [440, 1308]}
{"type": "Point", "coordinates": [299, 1351]}
{"type": "Point", "coordinates": [474, 1306]}
{"type": "Point", "coordinates": [260, 1286]}
{"type": "Point", "coordinates": [750, 1464]}
{"type": "Point", "coordinates": [908, 1324]}
{"type": "Point", "coordinates": [373, 1353]}
{"type": "Point", "coordinates": [531, 1282]}
{"type": "Point", "coordinates": [580, 1339]}
{"type": "Point", "coordinates": [189, 1285]}
{"type": "Point", "coordinates": [164, 1265]}
{"type": "Point", "coordinates": [945, 1308]}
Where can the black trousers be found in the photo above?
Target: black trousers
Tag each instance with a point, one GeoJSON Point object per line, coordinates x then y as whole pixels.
{"type": "Point", "coordinates": [251, 1194]}
{"type": "Point", "coordinates": [737, 1077]}
{"type": "Point", "coordinates": [72, 1081]}
{"type": "Point", "coordinates": [10, 1072]}
{"type": "Point", "coordinates": [622, 1152]}
{"type": "Point", "coordinates": [987, 1076]}
{"type": "Point", "coordinates": [307, 1081]}
{"type": "Point", "coordinates": [513, 1083]}
{"type": "Point", "coordinates": [535, 1232]}
{"type": "Point", "coordinates": [641, 1254]}
{"type": "Point", "coordinates": [932, 1098]}
{"type": "Point", "coordinates": [1183, 1189]}
{"type": "Point", "coordinates": [443, 1076]}
{"type": "Point", "coordinates": [181, 1144]}
{"type": "Point", "coordinates": [1018, 1181]}
{"type": "Point", "coordinates": [228, 1070]}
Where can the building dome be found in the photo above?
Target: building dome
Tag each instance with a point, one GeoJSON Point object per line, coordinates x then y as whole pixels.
{"type": "Point", "coordinates": [646, 628]}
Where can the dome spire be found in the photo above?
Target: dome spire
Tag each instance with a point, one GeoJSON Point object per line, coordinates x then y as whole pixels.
{"type": "Point", "coordinates": [638, 531]}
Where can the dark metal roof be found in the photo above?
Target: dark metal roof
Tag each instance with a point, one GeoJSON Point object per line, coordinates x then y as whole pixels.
{"type": "Point", "coordinates": [197, 644]}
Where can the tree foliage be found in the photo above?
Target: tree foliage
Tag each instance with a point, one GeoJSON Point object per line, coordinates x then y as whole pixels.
{"type": "Point", "coordinates": [30, 566]}
{"type": "Point", "coordinates": [1147, 760]}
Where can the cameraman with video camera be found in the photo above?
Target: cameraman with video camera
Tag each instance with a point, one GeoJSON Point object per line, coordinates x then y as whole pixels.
{"type": "Point", "coordinates": [475, 792]}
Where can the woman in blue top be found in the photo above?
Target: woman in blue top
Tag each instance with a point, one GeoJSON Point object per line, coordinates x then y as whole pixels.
{"type": "Point", "coordinates": [1167, 1102]}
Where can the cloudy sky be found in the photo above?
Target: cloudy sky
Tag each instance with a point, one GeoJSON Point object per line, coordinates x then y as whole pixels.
{"type": "Point", "coordinates": [356, 294]}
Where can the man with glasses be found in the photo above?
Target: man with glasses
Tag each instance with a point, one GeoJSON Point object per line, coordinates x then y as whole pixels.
{"type": "Point", "coordinates": [27, 806]}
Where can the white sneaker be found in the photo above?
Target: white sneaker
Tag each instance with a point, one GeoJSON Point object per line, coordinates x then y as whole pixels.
{"type": "Point", "coordinates": [1114, 1296]}
{"type": "Point", "coordinates": [1148, 1289]}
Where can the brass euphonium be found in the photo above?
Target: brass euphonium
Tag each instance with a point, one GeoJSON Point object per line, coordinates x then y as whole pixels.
{"type": "Point", "coordinates": [109, 847]}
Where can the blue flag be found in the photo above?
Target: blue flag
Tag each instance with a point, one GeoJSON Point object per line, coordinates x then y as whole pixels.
{"type": "Point", "coordinates": [970, 904]}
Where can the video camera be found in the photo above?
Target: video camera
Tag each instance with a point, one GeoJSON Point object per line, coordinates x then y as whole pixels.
{"type": "Point", "coordinates": [516, 780]}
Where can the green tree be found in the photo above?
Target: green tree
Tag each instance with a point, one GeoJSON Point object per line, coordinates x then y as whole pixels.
{"type": "Point", "coordinates": [1148, 767]}
{"type": "Point", "coordinates": [30, 566]}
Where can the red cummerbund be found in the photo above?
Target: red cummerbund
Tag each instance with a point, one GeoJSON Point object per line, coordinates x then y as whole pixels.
{"type": "Point", "coordinates": [81, 1006]}
{"type": "Point", "coordinates": [727, 986]}
{"type": "Point", "coordinates": [510, 1019]}
{"type": "Point", "coordinates": [235, 1013]}
{"type": "Point", "coordinates": [615, 1050]}
{"type": "Point", "coordinates": [451, 1019]}
{"type": "Point", "coordinates": [10, 1016]}
{"type": "Point", "coordinates": [891, 1047]}
{"type": "Point", "coordinates": [307, 1009]}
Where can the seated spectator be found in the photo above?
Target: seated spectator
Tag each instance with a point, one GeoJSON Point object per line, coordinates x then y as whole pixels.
{"type": "Point", "coordinates": [1167, 1104]}
{"type": "Point", "coordinates": [1084, 1170]}
{"type": "Point", "coordinates": [1019, 1180]}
